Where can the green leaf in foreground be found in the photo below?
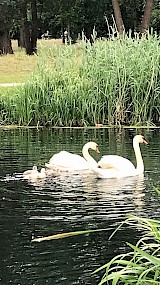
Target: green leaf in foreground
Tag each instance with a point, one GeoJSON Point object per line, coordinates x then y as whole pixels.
{"type": "Point", "coordinates": [140, 266]}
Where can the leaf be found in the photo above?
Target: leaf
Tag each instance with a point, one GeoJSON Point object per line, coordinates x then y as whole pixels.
{"type": "Point", "coordinates": [64, 235]}
{"type": "Point", "coordinates": [144, 254]}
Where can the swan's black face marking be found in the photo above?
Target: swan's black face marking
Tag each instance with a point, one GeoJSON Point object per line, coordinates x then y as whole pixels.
{"type": "Point", "coordinates": [144, 140]}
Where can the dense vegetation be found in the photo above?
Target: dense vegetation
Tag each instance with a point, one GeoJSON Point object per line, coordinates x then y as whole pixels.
{"type": "Point", "coordinates": [141, 265]}
{"type": "Point", "coordinates": [114, 82]}
{"type": "Point", "coordinates": [26, 20]}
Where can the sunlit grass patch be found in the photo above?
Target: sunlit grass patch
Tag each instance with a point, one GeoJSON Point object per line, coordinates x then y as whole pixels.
{"type": "Point", "coordinates": [17, 67]}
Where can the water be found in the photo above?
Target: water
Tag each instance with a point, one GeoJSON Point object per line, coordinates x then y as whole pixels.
{"type": "Point", "coordinates": [70, 203]}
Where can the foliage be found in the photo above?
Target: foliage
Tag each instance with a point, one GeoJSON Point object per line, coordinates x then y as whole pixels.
{"type": "Point", "coordinates": [115, 82]}
{"type": "Point", "coordinates": [141, 265]}
{"type": "Point", "coordinates": [155, 22]}
{"type": "Point", "coordinates": [76, 15]}
{"type": "Point", "coordinates": [6, 12]}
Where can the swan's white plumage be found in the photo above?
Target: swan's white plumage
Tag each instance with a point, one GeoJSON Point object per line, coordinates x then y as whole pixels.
{"type": "Point", "coordinates": [114, 166]}
{"type": "Point", "coordinates": [69, 160]}
{"type": "Point", "coordinates": [116, 161]}
{"type": "Point", "coordinates": [30, 171]}
{"type": "Point", "coordinates": [66, 161]}
{"type": "Point", "coordinates": [34, 174]}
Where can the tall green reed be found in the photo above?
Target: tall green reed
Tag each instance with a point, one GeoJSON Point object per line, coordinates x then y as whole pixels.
{"type": "Point", "coordinates": [113, 82]}
{"type": "Point", "coordinates": [140, 266]}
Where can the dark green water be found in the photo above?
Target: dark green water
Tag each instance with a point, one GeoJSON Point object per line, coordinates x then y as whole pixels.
{"type": "Point", "coordinates": [76, 202]}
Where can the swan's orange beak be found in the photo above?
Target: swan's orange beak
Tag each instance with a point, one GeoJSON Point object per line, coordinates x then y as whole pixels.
{"type": "Point", "coordinates": [97, 149]}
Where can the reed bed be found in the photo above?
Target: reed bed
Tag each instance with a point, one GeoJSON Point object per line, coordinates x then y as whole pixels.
{"type": "Point", "coordinates": [113, 82]}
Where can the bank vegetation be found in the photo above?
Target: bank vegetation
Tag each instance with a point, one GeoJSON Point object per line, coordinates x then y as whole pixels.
{"type": "Point", "coordinates": [113, 82]}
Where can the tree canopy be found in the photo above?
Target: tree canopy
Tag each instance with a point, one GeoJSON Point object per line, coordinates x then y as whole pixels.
{"type": "Point", "coordinates": [35, 17]}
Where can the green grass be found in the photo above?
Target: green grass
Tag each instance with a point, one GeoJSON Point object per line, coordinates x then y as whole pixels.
{"type": "Point", "coordinates": [141, 265]}
{"type": "Point", "coordinates": [115, 82]}
{"type": "Point", "coordinates": [18, 67]}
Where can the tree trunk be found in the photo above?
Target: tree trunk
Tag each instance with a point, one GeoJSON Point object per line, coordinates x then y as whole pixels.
{"type": "Point", "coordinates": [147, 16]}
{"type": "Point", "coordinates": [21, 42]}
{"type": "Point", "coordinates": [118, 17]}
{"type": "Point", "coordinates": [29, 28]}
{"type": "Point", "coordinates": [34, 26]}
{"type": "Point", "coordinates": [63, 30]}
{"type": "Point", "coordinates": [88, 34]}
{"type": "Point", "coordinates": [27, 38]}
{"type": "Point", "coordinates": [25, 29]}
{"type": "Point", "coordinates": [5, 43]}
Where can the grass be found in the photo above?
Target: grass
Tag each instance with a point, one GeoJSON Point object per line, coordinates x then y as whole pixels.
{"type": "Point", "coordinates": [141, 265]}
{"type": "Point", "coordinates": [115, 82]}
{"type": "Point", "coordinates": [18, 67]}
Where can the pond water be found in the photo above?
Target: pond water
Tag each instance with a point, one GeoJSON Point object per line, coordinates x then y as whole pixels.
{"type": "Point", "coordinates": [69, 203]}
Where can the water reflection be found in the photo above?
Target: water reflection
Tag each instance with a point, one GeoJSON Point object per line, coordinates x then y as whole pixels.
{"type": "Point", "coordinates": [68, 203]}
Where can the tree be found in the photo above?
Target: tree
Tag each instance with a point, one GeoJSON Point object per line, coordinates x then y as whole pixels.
{"type": "Point", "coordinates": [118, 17]}
{"type": "Point", "coordinates": [133, 12]}
{"type": "Point", "coordinates": [6, 10]}
{"type": "Point", "coordinates": [155, 19]}
{"type": "Point", "coordinates": [147, 16]}
{"type": "Point", "coordinates": [34, 26]}
{"type": "Point", "coordinates": [28, 29]}
{"type": "Point", "coordinates": [24, 13]}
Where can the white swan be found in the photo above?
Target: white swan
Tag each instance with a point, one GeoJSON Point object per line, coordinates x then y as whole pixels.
{"type": "Point", "coordinates": [30, 171]}
{"type": "Point", "coordinates": [115, 166]}
{"type": "Point", "coordinates": [66, 161]}
{"type": "Point", "coordinates": [34, 174]}
{"type": "Point", "coordinates": [52, 172]}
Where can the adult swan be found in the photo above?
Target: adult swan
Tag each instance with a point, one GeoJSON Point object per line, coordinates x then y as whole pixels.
{"type": "Point", "coordinates": [66, 161]}
{"type": "Point", "coordinates": [115, 166]}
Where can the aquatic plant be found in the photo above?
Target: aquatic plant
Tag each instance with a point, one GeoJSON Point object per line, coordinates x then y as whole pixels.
{"type": "Point", "coordinates": [113, 82]}
{"type": "Point", "coordinates": [141, 265]}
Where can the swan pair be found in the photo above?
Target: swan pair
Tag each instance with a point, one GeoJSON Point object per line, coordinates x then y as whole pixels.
{"type": "Point", "coordinates": [110, 166]}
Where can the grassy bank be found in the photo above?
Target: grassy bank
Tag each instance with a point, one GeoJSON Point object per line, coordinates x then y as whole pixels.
{"type": "Point", "coordinates": [114, 82]}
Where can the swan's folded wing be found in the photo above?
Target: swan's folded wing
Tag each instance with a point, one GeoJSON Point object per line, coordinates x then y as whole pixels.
{"type": "Point", "coordinates": [106, 173]}
{"type": "Point", "coordinates": [66, 160]}
{"type": "Point", "coordinates": [115, 162]}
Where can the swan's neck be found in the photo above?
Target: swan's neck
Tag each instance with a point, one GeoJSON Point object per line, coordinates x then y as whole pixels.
{"type": "Point", "coordinates": [140, 164]}
{"type": "Point", "coordinates": [87, 156]}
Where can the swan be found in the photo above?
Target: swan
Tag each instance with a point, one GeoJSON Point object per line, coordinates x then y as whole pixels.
{"type": "Point", "coordinates": [66, 161]}
{"type": "Point", "coordinates": [115, 166]}
{"type": "Point", "coordinates": [34, 174]}
{"type": "Point", "coordinates": [52, 172]}
{"type": "Point", "coordinates": [30, 171]}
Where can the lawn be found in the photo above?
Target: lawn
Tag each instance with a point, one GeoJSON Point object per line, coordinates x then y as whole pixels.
{"type": "Point", "coordinates": [18, 67]}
